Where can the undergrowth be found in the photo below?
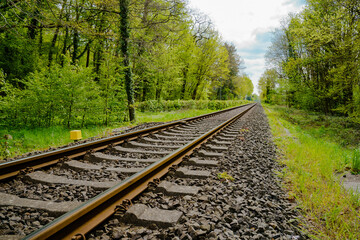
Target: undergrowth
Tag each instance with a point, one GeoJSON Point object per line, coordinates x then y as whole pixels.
{"type": "Point", "coordinates": [15, 142]}
{"type": "Point", "coordinates": [313, 162]}
{"type": "Point", "coordinates": [338, 129]}
{"type": "Point", "coordinates": [161, 106]}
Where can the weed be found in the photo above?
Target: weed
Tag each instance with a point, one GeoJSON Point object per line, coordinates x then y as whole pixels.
{"type": "Point", "coordinates": [244, 130]}
{"type": "Point", "coordinates": [225, 176]}
{"type": "Point", "coordinates": [355, 167]}
{"type": "Point", "coordinates": [310, 166]}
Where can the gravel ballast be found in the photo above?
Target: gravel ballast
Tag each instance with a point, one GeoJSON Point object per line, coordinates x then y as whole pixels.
{"type": "Point", "coordinates": [252, 206]}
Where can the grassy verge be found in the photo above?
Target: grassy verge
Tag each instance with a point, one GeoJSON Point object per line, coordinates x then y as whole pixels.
{"type": "Point", "coordinates": [28, 140]}
{"type": "Point", "coordinates": [312, 161]}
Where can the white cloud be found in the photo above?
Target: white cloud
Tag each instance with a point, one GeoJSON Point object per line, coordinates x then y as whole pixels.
{"type": "Point", "coordinates": [246, 24]}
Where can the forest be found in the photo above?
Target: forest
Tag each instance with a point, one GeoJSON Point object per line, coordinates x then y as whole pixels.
{"type": "Point", "coordinates": [313, 62]}
{"type": "Point", "coordinates": [81, 62]}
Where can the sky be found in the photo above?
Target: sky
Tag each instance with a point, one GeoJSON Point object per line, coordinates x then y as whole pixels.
{"type": "Point", "coordinates": [248, 24]}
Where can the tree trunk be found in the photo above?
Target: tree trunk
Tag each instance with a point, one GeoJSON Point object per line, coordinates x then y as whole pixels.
{"type": "Point", "coordinates": [52, 47]}
{"type": "Point", "coordinates": [32, 27]}
{"type": "Point", "coordinates": [185, 73]}
{"type": "Point", "coordinates": [76, 46]}
{"type": "Point", "coordinates": [98, 60]}
{"type": "Point", "coordinates": [40, 41]}
{"type": "Point", "coordinates": [88, 57]}
{"type": "Point", "coordinates": [145, 89]}
{"type": "Point", "coordinates": [75, 36]}
{"type": "Point", "coordinates": [64, 46]}
{"type": "Point", "coordinates": [53, 42]}
{"type": "Point", "coordinates": [195, 90]}
{"type": "Point", "coordinates": [158, 88]}
{"type": "Point", "coordinates": [124, 40]}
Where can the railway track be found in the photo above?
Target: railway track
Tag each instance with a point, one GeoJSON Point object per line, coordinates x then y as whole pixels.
{"type": "Point", "coordinates": [86, 184]}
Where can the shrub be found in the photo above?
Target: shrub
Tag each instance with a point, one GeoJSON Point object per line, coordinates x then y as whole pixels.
{"type": "Point", "coordinates": [165, 106]}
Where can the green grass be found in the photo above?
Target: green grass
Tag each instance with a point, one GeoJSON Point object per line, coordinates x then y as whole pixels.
{"type": "Point", "coordinates": [336, 129]}
{"type": "Point", "coordinates": [143, 117]}
{"type": "Point", "coordinates": [28, 140]}
{"type": "Point", "coordinates": [312, 161]}
{"type": "Point", "coordinates": [355, 167]}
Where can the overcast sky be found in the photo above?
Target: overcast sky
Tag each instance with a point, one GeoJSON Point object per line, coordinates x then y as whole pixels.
{"type": "Point", "coordinates": [248, 24]}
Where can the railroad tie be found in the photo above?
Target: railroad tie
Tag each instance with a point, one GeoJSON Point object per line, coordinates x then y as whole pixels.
{"type": "Point", "coordinates": [42, 177]}
{"type": "Point", "coordinates": [147, 139]}
{"type": "Point", "coordinates": [227, 135]}
{"type": "Point", "coordinates": [134, 144]}
{"type": "Point", "coordinates": [226, 139]}
{"type": "Point", "coordinates": [187, 173]}
{"type": "Point", "coordinates": [203, 153]}
{"type": "Point", "coordinates": [192, 135]}
{"type": "Point", "coordinates": [161, 136]}
{"type": "Point", "coordinates": [100, 157]}
{"type": "Point", "coordinates": [220, 142]}
{"type": "Point", "coordinates": [201, 163]}
{"type": "Point", "coordinates": [77, 165]}
{"type": "Point", "coordinates": [216, 148]}
{"type": "Point", "coordinates": [55, 209]}
{"type": "Point", "coordinates": [132, 150]}
{"type": "Point", "coordinates": [173, 189]}
{"type": "Point", "coordinates": [140, 214]}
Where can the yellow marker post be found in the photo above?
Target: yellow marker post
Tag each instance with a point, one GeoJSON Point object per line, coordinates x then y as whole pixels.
{"type": "Point", "coordinates": [75, 135]}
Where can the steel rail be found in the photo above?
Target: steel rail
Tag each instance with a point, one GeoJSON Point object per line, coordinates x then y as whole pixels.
{"type": "Point", "coordinates": [80, 221]}
{"type": "Point", "coordinates": [28, 164]}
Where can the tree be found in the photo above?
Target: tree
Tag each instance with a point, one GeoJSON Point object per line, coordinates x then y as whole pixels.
{"type": "Point", "coordinates": [124, 46]}
{"type": "Point", "coordinates": [315, 55]}
{"type": "Point", "coordinates": [267, 84]}
{"type": "Point", "coordinates": [229, 86]}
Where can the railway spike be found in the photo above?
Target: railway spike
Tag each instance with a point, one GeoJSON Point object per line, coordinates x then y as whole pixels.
{"type": "Point", "coordinates": [78, 236]}
{"type": "Point", "coordinates": [26, 170]}
{"type": "Point", "coordinates": [172, 169]}
{"type": "Point", "coordinates": [154, 183]}
{"type": "Point", "coordinates": [123, 207]}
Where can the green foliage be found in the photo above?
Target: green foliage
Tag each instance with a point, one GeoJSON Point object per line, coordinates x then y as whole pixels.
{"type": "Point", "coordinates": [61, 96]}
{"type": "Point", "coordinates": [314, 56]}
{"type": "Point", "coordinates": [311, 165]}
{"type": "Point", "coordinates": [234, 85]}
{"type": "Point", "coordinates": [20, 57]}
{"type": "Point", "coordinates": [27, 140]}
{"type": "Point", "coordinates": [76, 63]}
{"type": "Point", "coordinates": [336, 129]}
{"type": "Point", "coordinates": [163, 106]}
{"type": "Point", "coordinates": [225, 176]}
{"type": "Point", "coordinates": [355, 166]}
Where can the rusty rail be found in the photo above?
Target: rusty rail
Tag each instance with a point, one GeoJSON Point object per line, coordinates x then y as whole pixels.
{"type": "Point", "coordinates": [80, 221]}
{"type": "Point", "coordinates": [28, 164]}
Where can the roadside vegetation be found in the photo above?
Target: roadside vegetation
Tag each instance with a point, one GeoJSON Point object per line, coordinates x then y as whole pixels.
{"type": "Point", "coordinates": [317, 150]}
{"type": "Point", "coordinates": [313, 61]}
{"type": "Point", "coordinates": [16, 141]}
{"type": "Point", "coordinates": [89, 64]}
{"type": "Point", "coordinates": [313, 69]}
{"type": "Point", "coordinates": [82, 62]}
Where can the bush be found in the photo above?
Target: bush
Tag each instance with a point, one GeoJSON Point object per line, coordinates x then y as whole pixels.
{"type": "Point", "coordinates": [165, 106]}
{"type": "Point", "coordinates": [66, 96]}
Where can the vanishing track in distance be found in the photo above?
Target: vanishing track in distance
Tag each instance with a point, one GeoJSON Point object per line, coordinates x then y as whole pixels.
{"type": "Point", "coordinates": [110, 172]}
